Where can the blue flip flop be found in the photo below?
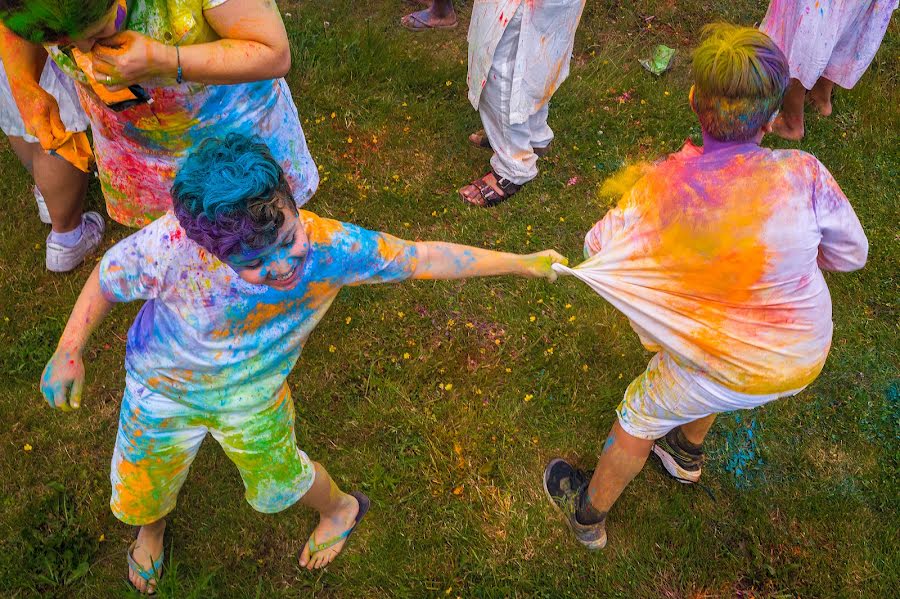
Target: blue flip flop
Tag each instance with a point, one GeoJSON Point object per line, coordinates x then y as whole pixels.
{"type": "Point", "coordinates": [155, 571]}
{"type": "Point", "coordinates": [364, 503]}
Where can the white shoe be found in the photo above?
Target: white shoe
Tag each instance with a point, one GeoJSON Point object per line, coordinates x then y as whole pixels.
{"type": "Point", "coordinates": [63, 259]}
{"type": "Point", "coordinates": [43, 213]}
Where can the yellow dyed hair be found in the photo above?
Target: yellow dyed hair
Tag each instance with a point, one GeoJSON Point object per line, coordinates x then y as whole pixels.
{"type": "Point", "coordinates": [740, 77]}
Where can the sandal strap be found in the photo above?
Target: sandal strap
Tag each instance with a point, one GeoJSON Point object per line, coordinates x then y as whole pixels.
{"type": "Point", "coordinates": [488, 194]}
{"type": "Point", "coordinates": [364, 503]}
{"type": "Point", "coordinates": [155, 570]}
{"type": "Point", "coordinates": [506, 186]}
{"type": "Point", "coordinates": [316, 547]}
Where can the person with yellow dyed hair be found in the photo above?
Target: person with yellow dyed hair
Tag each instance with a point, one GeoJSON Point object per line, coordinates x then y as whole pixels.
{"type": "Point", "coordinates": [234, 282]}
{"type": "Point", "coordinates": [715, 255]}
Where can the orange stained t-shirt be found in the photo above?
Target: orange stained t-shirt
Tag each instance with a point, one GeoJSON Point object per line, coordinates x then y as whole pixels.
{"type": "Point", "coordinates": [717, 259]}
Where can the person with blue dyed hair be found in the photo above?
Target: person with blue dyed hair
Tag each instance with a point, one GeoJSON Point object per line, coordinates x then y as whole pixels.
{"type": "Point", "coordinates": [234, 281]}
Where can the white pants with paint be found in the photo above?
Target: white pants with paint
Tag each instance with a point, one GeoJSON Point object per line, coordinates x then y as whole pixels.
{"type": "Point", "coordinates": [513, 144]}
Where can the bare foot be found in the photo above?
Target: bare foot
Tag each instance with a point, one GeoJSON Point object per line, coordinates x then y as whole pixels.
{"type": "Point", "coordinates": [821, 100]}
{"type": "Point", "coordinates": [479, 139]}
{"type": "Point", "coordinates": [330, 526]}
{"type": "Point", "coordinates": [427, 19]}
{"type": "Point", "coordinates": [788, 127]}
{"type": "Point", "coordinates": [147, 548]}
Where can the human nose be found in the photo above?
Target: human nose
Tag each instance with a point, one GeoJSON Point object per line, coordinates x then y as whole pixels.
{"type": "Point", "coordinates": [85, 45]}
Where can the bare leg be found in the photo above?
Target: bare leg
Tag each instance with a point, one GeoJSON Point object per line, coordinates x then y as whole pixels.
{"type": "Point", "coordinates": [440, 15]}
{"type": "Point", "coordinates": [63, 187]}
{"type": "Point", "coordinates": [820, 96]}
{"type": "Point", "coordinates": [337, 513]}
{"type": "Point", "coordinates": [695, 431]}
{"type": "Point", "coordinates": [25, 152]}
{"type": "Point", "coordinates": [622, 458]}
{"type": "Point", "coordinates": [789, 124]}
{"type": "Point", "coordinates": [147, 548]}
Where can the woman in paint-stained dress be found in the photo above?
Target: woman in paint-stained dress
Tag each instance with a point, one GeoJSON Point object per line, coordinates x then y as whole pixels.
{"type": "Point", "coordinates": [826, 42]}
{"type": "Point", "coordinates": [155, 77]}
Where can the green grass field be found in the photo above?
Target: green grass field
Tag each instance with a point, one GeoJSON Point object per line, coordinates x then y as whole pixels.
{"type": "Point", "coordinates": [416, 393]}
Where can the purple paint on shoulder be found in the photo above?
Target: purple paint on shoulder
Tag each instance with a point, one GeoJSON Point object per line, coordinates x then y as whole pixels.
{"type": "Point", "coordinates": [142, 329]}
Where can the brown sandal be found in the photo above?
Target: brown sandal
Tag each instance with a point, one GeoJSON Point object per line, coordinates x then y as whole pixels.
{"type": "Point", "coordinates": [489, 195]}
{"type": "Point", "coordinates": [485, 144]}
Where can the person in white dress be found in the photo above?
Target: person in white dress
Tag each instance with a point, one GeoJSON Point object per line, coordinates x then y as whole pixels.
{"type": "Point", "coordinates": [826, 42]}
{"type": "Point", "coordinates": [59, 187]}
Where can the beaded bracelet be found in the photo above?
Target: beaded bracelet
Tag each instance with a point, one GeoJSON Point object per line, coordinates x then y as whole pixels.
{"type": "Point", "coordinates": [179, 78]}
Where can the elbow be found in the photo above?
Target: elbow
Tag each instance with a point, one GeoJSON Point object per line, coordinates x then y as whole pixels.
{"type": "Point", "coordinates": [281, 63]}
{"type": "Point", "coordinates": [859, 257]}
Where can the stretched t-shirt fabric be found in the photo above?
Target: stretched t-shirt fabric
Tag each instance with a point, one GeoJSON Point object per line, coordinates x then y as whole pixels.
{"type": "Point", "coordinates": [207, 338]}
{"type": "Point", "coordinates": [715, 258]}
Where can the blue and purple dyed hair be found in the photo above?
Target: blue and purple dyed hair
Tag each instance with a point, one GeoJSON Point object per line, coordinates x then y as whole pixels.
{"type": "Point", "coordinates": [740, 77]}
{"type": "Point", "coordinates": [229, 195]}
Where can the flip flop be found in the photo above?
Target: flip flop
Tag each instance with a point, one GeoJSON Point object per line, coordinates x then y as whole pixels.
{"type": "Point", "coordinates": [155, 571]}
{"type": "Point", "coordinates": [416, 24]}
{"type": "Point", "coordinates": [364, 504]}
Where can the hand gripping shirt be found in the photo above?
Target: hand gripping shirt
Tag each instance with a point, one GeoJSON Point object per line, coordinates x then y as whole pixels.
{"type": "Point", "coordinates": [716, 258]}
{"type": "Point", "coordinates": [210, 340]}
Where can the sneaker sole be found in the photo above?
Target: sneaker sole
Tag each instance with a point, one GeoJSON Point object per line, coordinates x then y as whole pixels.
{"type": "Point", "coordinates": [685, 477]}
{"type": "Point", "coordinates": [594, 545]}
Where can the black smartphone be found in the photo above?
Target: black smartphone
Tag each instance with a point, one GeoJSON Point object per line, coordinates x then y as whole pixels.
{"type": "Point", "coordinates": [140, 97]}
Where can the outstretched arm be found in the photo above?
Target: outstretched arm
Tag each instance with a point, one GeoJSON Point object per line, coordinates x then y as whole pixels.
{"type": "Point", "coordinates": [63, 378]}
{"type": "Point", "coordinates": [438, 260]}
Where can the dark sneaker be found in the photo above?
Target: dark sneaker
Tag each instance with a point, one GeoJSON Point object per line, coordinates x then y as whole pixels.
{"type": "Point", "coordinates": [680, 464]}
{"type": "Point", "coordinates": [563, 484]}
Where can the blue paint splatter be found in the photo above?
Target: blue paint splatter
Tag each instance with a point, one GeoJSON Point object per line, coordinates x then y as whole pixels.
{"type": "Point", "coordinates": [739, 450]}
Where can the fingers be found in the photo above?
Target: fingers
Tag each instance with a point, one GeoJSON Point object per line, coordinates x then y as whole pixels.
{"type": "Point", "coordinates": [106, 73]}
{"type": "Point", "coordinates": [56, 125]}
{"type": "Point", "coordinates": [59, 398]}
{"type": "Point", "coordinates": [75, 396]}
{"type": "Point", "coordinates": [558, 258]}
{"type": "Point", "coordinates": [47, 390]}
{"type": "Point", "coordinates": [117, 40]}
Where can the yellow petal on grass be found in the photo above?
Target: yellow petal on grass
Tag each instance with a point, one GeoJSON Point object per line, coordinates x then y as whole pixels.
{"type": "Point", "coordinates": [529, 397]}
{"type": "Point", "coordinates": [332, 348]}
{"type": "Point", "coordinates": [27, 447]}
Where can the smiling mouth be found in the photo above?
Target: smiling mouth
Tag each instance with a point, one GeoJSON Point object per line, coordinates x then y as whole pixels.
{"type": "Point", "coordinates": [286, 276]}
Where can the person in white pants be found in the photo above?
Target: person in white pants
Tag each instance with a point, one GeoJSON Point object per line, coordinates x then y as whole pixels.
{"type": "Point", "coordinates": [519, 55]}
